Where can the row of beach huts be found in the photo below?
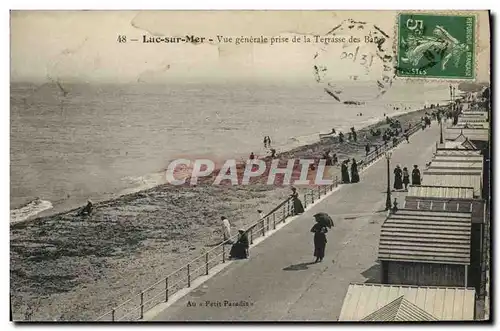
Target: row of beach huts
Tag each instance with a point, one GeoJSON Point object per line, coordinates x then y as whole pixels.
{"type": "Point", "coordinates": [434, 252]}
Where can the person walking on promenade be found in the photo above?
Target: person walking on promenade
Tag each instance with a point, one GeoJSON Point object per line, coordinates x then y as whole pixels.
{"type": "Point", "coordinates": [239, 250]}
{"type": "Point", "coordinates": [297, 204]}
{"type": "Point", "coordinates": [345, 172]}
{"type": "Point", "coordinates": [406, 178]}
{"type": "Point", "coordinates": [226, 230]}
{"type": "Point", "coordinates": [319, 231]}
{"type": "Point", "coordinates": [354, 172]}
{"type": "Point", "coordinates": [398, 178]}
{"type": "Point", "coordinates": [415, 175]}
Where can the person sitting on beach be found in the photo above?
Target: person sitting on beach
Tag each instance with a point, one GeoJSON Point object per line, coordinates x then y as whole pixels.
{"type": "Point", "coordinates": [239, 250]}
{"type": "Point", "coordinates": [273, 153]}
{"type": "Point", "coordinates": [341, 137]}
{"type": "Point", "coordinates": [87, 210]}
{"type": "Point", "coordinates": [333, 131]}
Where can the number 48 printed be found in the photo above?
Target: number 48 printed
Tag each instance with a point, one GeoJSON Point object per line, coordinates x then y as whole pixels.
{"type": "Point", "coordinates": [122, 39]}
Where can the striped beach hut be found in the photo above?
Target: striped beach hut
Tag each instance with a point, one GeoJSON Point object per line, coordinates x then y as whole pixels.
{"type": "Point", "coordinates": [390, 303]}
{"type": "Point", "coordinates": [420, 247]}
{"type": "Point", "coordinates": [454, 199]}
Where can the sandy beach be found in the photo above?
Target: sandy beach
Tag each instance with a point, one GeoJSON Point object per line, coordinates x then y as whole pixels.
{"type": "Point", "coordinates": [69, 268]}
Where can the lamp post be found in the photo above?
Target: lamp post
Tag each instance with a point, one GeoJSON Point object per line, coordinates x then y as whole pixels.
{"type": "Point", "coordinates": [388, 197]}
{"type": "Point", "coordinates": [441, 132]}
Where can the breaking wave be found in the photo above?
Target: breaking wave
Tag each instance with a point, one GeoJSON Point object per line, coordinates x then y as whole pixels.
{"type": "Point", "coordinates": [28, 210]}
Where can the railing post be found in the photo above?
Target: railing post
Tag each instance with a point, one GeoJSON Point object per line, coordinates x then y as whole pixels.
{"type": "Point", "coordinates": [142, 305]}
{"type": "Point", "coordinates": [263, 228]}
{"type": "Point", "coordinates": [251, 235]}
{"type": "Point", "coordinates": [166, 289]}
{"type": "Point", "coordinates": [284, 213]}
{"type": "Point", "coordinates": [312, 196]}
{"type": "Point", "coordinates": [206, 263]}
{"type": "Point", "coordinates": [336, 181]}
{"type": "Point", "coordinates": [223, 253]}
{"type": "Point", "coordinates": [274, 221]}
{"type": "Point", "coordinates": [113, 315]}
{"type": "Point", "coordinates": [189, 276]}
{"type": "Point", "coordinates": [267, 221]}
{"type": "Point", "coordinates": [305, 200]}
{"type": "Point", "coordinates": [319, 192]}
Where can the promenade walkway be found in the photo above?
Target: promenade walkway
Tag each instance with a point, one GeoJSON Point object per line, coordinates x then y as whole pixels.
{"type": "Point", "coordinates": [280, 282]}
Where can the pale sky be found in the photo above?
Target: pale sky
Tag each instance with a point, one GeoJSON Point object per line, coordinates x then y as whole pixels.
{"type": "Point", "coordinates": [82, 45]}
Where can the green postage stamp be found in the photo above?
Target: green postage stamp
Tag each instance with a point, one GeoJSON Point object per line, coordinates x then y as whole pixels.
{"type": "Point", "coordinates": [436, 46]}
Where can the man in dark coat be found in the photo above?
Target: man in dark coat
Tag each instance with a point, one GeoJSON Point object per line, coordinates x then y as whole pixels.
{"type": "Point", "coordinates": [354, 172]}
{"type": "Point", "coordinates": [240, 248]}
{"type": "Point", "coordinates": [345, 172]}
{"type": "Point", "coordinates": [398, 178]}
{"type": "Point", "coordinates": [415, 175]}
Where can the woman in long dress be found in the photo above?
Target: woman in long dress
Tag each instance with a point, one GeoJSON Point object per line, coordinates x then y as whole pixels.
{"type": "Point", "coordinates": [319, 231]}
{"type": "Point", "coordinates": [297, 204]}
{"type": "Point", "coordinates": [406, 178]}
{"type": "Point", "coordinates": [415, 175]}
{"type": "Point", "coordinates": [345, 172]}
{"type": "Point", "coordinates": [354, 172]}
{"type": "Point", "coordinates": [398, 178]}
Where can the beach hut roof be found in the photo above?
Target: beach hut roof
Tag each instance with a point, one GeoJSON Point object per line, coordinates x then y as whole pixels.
{"type": "Point", "coordinates": [473, 134]}
{"type": "Point", "coordinates": [443, 303]}
{"type": "Point", "coordinates": [453, 171]}
{"type": "Point", "coordinates": [426, 237]}
{"type": "Point", "coordinates": [446, 192]}
{"type": "Point", "coordinates": [438, 164]}
{"type": "Point", "coordinates": [457, 152]}
{"type": "Point", "coordinates": [400, 310]}
{"type": "Point", "coordinates": [454, 179]}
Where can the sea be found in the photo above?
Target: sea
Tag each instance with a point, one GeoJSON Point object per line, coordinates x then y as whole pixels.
{"type": "Point", "coordinates": [99, 141]}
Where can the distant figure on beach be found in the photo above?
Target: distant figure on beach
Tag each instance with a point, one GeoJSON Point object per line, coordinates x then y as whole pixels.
{"type": "Point", "coordinates": [376, 149]}
{"type": "Point", "coordinates": [394, 141]}
{"type": "Point", "coordinates": [335, 160]}
{"type": "Point", "coordinates": [319, 231]}
{"type": "Point", "coordinates": [265, 141]}
{"type": "Point", "coordinates": [354, 135]}
{"type": "Point", "coordinates": [273, 153]}
{"type": "Point", "coordinates": [398, 178]}
{"type": "Point", "coordinates": [269, 141]}
{"type": "Point", "coordinates": [349, 136]}
{"type": "Point", "coordinates": [226, 230]}
{"type": "Point", "coordinates": [87, 210]}
{"type": "Point", "coordinates": [407, 137]}
{"type": "Point", "coordinates": [240, 248]}
{"type": "Point", "coordinates": [297, 204]}
{"type": "Point", "coordinates": [406, 178]}
{"type": "Point", "coordinates": [367, 149]}
{"type": "Point", "coordinates": [345, 172]}
{"type": "Point", "coordinates": [333, 131]}
{"type": "Point", "coordinates": [354, 172]}
{"type": "Point", "coordinates": [341, 137]}
{"type": "Point", "coordinates": [252, 156]}
{"type": "Point", "coordinates": [415, 175]}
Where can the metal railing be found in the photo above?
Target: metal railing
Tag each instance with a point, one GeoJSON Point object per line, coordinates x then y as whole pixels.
{"type": "Point", "coordinates": [161, 291]}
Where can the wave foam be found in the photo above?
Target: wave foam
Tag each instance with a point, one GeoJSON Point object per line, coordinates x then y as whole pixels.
{"type": "Point", "coordinates": [29, 210]}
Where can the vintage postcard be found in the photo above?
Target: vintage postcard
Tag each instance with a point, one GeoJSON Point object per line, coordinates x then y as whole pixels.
{"type": "Point", "coordinates": [236, 166]}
